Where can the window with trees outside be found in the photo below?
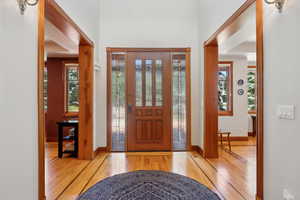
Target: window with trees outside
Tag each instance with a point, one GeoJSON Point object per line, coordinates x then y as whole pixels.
{"type": "Point", "coordinates": [251, 76]}
{"type": "Point", "coordinates": [72, 88]}
{"type": "Point", "coordinates": [225, 88]}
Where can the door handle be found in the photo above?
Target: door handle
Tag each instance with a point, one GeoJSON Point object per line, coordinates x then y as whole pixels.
{"type": "Point", "coordinates": [129, 108]}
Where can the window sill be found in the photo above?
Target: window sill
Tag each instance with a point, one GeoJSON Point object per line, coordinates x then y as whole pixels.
{"type": "Point", "coordinates": [227, 113]}
{"type": "Point", "coordinates": [253, 112]}
{"type": "Point", "coordinates": [71, 114]}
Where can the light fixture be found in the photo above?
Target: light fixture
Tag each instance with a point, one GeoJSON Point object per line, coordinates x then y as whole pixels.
{"type": "Point", "coordinates": [278, 3]}
{"type": "Point", "coordinates": [24, 3]}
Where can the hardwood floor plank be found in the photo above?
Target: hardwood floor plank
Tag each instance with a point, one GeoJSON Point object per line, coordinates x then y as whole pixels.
{"type": "Point", "coordinates": [232, 176]}
{"type": "Point", "coordinates": [220, 181]}
{"type": "Point", "coordinates": [77, 186]}
{"type": "Point", "coordinates": [60, 173]}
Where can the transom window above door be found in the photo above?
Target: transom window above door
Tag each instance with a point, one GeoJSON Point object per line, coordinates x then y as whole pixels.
{"type": "Point", "coordinates": [225, 94]}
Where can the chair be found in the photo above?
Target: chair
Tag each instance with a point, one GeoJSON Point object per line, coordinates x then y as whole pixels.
{"type": "Point", "coordinates": [227, 135]}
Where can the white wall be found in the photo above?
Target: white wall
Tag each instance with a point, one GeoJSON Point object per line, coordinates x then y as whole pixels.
{"type": "Point", "coordinates": [18, 92]}
{"type": "Point", "coordinates": [213, 13]}
{"type": "Point", "coordinates": [238, 123]}
{"type": "Point", "coordinates": [86, 16]}
{"type": "Point", "coordinates": [282, 160]}
{"type": "Point", "coordinates": [18, 102]}
{"type": "Point", "coordinates": [156, 23]}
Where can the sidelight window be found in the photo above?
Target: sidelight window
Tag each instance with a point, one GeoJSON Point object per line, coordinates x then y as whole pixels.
{"type": "Point", "coordinates": [118, 102]}
{"type": "Point", "coordinates": [179, 102]}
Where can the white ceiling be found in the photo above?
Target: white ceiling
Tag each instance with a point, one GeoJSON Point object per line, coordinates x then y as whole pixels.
{"type": "Point", "coordinates": [57, 44]}
{"type": "Point", "coordinates": [244, 41]}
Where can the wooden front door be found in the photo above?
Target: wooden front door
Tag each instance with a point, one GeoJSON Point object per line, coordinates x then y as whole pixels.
{"type": "Point", "coordinates": [149, 101]}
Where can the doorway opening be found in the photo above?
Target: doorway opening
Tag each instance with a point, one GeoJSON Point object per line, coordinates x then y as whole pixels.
{"type": "Point", "coordinates": [65, 95]}
{"type": "Point", "coordinates": [148, 99]}
{"type": "Point", "coordinates": [218, 82]}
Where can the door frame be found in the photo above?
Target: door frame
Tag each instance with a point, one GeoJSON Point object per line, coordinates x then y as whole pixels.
{"type": "Point", "coordinates": [110, 51]}
{"type": "Point", "coordinates": [210, 78]}
{"type": "Point", "coordinates": [50, 10]}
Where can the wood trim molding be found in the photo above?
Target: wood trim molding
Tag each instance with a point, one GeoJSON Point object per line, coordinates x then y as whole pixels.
{"type": "Point", "coordinates": [250, 134]}
{"type": "Point", "coordinates": [239, 138]}
{"type": "Point", "coordinates": [229, 27]}
{"type": "Point", "coordinates": [211, 101]}
{"type": "Point", "coordinates": [236, 138]}
{"type": "Point", "coordinates": [198, 149]}
{"type": "Point", "coordinates": [41, 112]}
{"type": "Point", "coordinates": [59, 18]}
{"type": "Point", "coordinates": [260, 97]}
{"type": "Point", "coordinates": [189, 100]}
{"type": "Point", "coordinates": [86, 71]}
{"type": "Point", "coordinates": [252, 112]}
{"type": "Point", "coordinates": [258, 198]}
{"type": "Point", "coordinates": [100, 150]}
{"type": "Point", "coordinates": [252, 67]}
{"type": "Point", "coordinates": [148, 49]}
{"type": "Point", "coordinates": [109, 102]}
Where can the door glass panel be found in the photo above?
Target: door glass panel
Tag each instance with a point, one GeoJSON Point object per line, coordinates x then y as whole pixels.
{"type": "Point", "coordinates": [159, 83]}
{"type": "Point", "coordinates": [179, 101]}
{"type": "Point", "coordinates": [118, 102]}
{"type": "Point", "coordinates": [148, 82]}
{"type": "Point", "coordinates": [138, 83]}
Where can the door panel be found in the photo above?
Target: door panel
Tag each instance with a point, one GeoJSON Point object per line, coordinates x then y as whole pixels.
{"type": "Point", "coordinates": [149, 101]}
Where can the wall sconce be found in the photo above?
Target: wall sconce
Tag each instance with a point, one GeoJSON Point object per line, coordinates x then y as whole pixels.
{"type": "Point", "coordinates": [278, 3]}
{"type": "Point", "coordinates": [24, 3]}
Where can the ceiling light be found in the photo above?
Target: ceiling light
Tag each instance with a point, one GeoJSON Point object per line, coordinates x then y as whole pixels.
{"type": "Point", "coordinates": [278, 3]}
{"type": "Point", "coordinates": [24, 3]}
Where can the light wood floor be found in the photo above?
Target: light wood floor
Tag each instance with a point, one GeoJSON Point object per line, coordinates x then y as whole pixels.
{"type": "Point", "coordinates": [232, 176]}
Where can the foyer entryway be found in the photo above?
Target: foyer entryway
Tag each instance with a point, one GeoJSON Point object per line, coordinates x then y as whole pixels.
{"type": "Point", "coordinates": [149, 100]}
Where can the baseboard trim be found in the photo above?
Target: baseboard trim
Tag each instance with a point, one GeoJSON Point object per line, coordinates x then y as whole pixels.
{"type": "Point", "coordinates": [258, 198]}
{"type": "Point", "coordinates": [99, 150]}
{"type": "Point", "coordinates": [51, 139]}
{"type": "Point", "coordinates": [250, 134]}
{"type": "Point", "coordinates": [197, 149]}
{"type": "Point", "coordinates": [236, 138]}
{"type": "Point", "coordinates": [239, 138]}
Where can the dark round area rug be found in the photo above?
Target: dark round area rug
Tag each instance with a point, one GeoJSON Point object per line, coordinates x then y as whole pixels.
{"type": "Point", "coordinates": [148, 185]}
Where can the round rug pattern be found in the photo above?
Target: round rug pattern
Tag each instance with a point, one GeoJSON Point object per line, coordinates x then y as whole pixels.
{"type": "Point", "coordinates": [148, 185]}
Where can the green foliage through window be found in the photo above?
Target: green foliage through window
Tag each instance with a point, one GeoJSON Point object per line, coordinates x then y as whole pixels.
{"type": "Point", "coordinates": [225, 87]}
{"type": "Point", "coordinates": [72, 88]}
{"type": "Point", "coordinates": [251, 90]}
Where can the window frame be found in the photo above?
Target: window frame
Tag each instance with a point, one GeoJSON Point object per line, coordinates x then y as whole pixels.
{"type": "Point", "coordinates": [229, 69]}
{"type": "Point", "coordinates": [66, 90]}
{"type": "Point", "coordinates": [252, 67]}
